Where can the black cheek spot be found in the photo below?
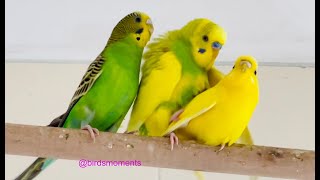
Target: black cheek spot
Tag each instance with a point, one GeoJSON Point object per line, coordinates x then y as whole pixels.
{"type": "Point", "coordinates": [138, 38]}
{"type": "Point", "coordinates": [139, 31]}
{"type": "Point", "coordinates": [202, 51]}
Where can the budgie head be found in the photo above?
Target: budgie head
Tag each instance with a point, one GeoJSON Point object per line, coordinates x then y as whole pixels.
{"type": "Point", "coordinates": [245, 66]}
{"type": "Point", "coordinates": [137, 25]}
{"type": "Point", "coordinates": [206, 38]}
{"type": "Point", "coordinates": [244, 76]}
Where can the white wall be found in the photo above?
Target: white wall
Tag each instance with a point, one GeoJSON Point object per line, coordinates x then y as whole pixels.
{"type": "Point", "coordinates": [77, 30]}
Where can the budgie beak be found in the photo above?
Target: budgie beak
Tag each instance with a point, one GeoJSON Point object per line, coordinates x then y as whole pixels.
{"type": "Point", "coordinates": [149, 22]}
{"type": "Point", "coordinates": [245, 65]}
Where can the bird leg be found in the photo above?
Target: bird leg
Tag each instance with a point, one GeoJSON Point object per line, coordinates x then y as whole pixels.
{"type": "Point", "coordinates": [222, 146]}
{"type": "Point", "coordinates": [92, 131]}
{"type": "Point", "coordinates": [173, 140]}
{"type": "Point", "coordinates": [175, 116]}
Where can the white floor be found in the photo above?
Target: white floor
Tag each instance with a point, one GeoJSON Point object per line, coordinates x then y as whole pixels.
{"type": "Point", "coordinates": [35, 93]}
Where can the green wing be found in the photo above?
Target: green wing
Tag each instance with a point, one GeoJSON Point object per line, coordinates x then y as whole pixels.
{"type": "Point", "coordinates": [92, 74]}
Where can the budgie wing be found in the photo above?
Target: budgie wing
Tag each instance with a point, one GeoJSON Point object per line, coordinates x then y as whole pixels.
{"type": "Point", "coordinates": [199, 105]}
{"type": "Point", "coordinates": [161, 75]}
{"type": "Point", "coordinates": [92, 74]}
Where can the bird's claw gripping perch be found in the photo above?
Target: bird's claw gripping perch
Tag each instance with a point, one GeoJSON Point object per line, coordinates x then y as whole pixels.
{"type": "Point", "coordinates": [173, 140]}
{"type": "Point", "coordinates": [92, 131]}
{"type": "Point", "coordinates": [222, 147]}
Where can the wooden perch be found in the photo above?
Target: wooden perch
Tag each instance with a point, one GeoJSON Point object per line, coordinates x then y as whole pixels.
{"type": "Point", "coordinates": [74, 144]}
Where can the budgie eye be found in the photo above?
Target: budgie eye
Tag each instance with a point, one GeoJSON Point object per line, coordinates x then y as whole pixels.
{"type": "Point", "coordinates": [205, 38]}
{"type": "Point", "coordinates": [138, 19]}
{"type": "Point", "coordinates": [233, 66]}
{"type": "Point", "coordinates": [216, 45]}
{"type": "Point", "coordinates": [255, 72]}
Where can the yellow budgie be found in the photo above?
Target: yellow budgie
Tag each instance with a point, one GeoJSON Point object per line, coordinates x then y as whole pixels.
{"type": "Point", "coordinates": [214, 76]}
{"type": "Point", "coordinates": [174, 72]}
{"type": "Point", "coordinates": [219, 115]}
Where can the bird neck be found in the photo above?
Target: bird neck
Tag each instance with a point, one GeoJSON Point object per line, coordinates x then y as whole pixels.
{"type": "Point", "coordinates": [242, 84]}
{"type": "Point", "coordinates": [125, 53]}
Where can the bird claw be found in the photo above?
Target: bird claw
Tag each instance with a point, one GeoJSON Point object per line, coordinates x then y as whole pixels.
{"type": "Point", "coordinates": [222, 147]}
{"type": "Point", "coordinates": [92, 131]}
{"type": "Point", "coordinates": [173, 140]}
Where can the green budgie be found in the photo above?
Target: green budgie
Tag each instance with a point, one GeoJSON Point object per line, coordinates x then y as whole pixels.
{"type": "Point", "coordinates": [109, 86]}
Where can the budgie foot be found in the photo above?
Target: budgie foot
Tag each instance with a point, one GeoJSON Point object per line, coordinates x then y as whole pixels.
{"type": "Point", "coordinates": [173, 140]}
{"type": "Point", "coordinates": [176, 115]}
{"type": "Point", "coordinates": [92, 131]}
{"type": "Point", "coordinates": [222, 146]}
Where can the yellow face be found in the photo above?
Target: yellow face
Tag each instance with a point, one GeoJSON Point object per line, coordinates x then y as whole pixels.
{"type": "Point", "coordinates": [246, 64]}
{"type": "Point", "coordinates": [245, 67]}
{"type": "Point", "coordinates": [142, 28]}
{"type": "Point", "coordinates": [207, 41]}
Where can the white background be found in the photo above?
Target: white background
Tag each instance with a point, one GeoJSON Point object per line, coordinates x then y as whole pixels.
{"type": "Point", "coordinates": [77, 30]}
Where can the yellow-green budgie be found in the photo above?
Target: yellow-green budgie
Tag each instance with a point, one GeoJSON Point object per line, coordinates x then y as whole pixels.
{"type": "Point", "coordinates": [219, 115]}
{"type": "Point", "coordinates": [174, 72]}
